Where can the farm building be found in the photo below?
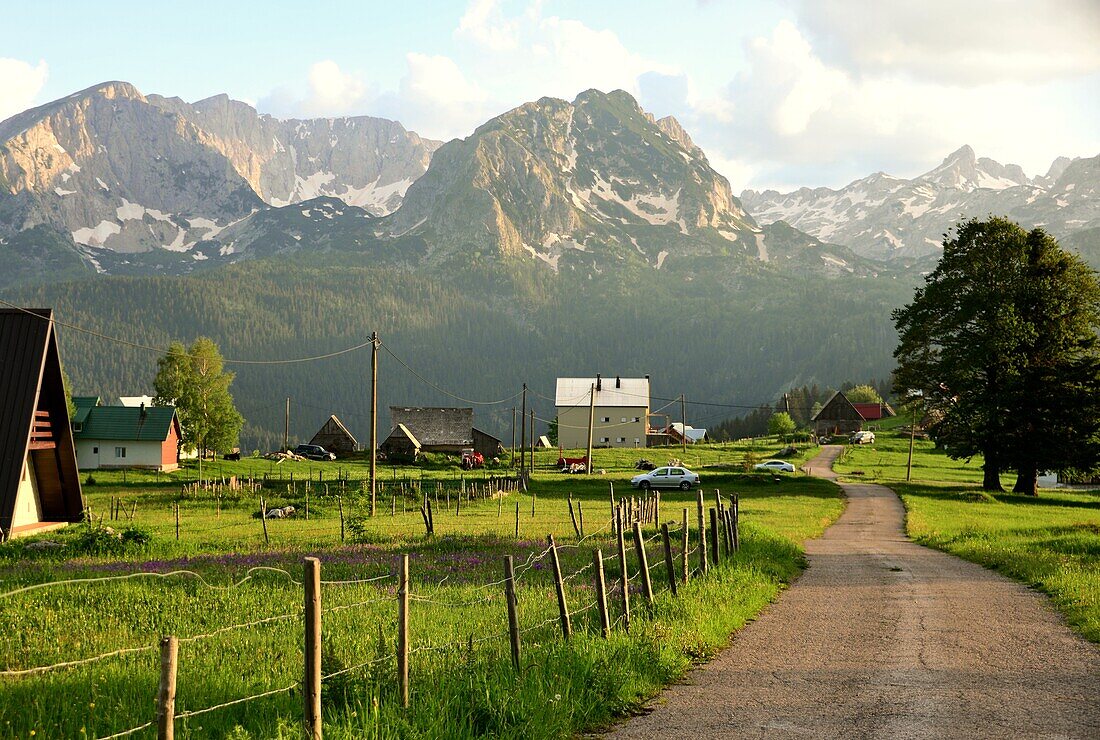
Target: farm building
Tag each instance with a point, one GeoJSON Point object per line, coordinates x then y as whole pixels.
{"type": "Point", "coordinates": [335, 437]}
{"type": "Point", "coordinates": [436, 429]}
{"type": "Point", "coordinates": [543, 443]}
{"type": "Point", "coordinates": [39, 482]}
{"type": "Point", "coordinates": [675, 433]}
{"type": "Point", "coordinates": [125, 436]}
{"type": "Point", "coordinates": [841, 416]}
{"type": "Point", "coordinates": [621, 416]}
{"type": "Point", "coordinates": [400, 444]}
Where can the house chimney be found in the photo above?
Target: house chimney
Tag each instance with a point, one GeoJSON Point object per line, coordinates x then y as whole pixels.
{"type": "Point", "coordinates": [618, 382]}
{"type": "Point", "coordinates": [599, 383]}
{"type": "Point", "coordinates": [141, 413]}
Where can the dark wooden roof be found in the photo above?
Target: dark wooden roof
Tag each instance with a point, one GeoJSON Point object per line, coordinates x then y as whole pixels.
{"type": "Point", "coordinates": [30, 382]}
{"type": "Point", "coordinates": [839, 408]}
{"type": "Point", "coordinates": [436, 425]}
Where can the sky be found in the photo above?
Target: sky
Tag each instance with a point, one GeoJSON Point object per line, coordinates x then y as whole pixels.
{"type": "Point", "coordinates": [780, 94]}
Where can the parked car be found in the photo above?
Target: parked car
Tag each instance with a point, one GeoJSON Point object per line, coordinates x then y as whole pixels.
{"type": "Point", "coordinates": [314, 452]}
{"type": "Point", "coordinates": [666, 477]}
{"type": "Point", "coordinates": [776, 466]}
{"type": "Point", "coordinates": [863, 438]}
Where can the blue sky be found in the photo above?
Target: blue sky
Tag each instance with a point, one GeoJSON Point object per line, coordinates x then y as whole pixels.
{"type": "Point", "coordinates": [788, 93]}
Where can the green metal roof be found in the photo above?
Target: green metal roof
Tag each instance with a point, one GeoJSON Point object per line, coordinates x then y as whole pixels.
{"type": "Point", "coordinates": [84, 406]}
{"type": "Point", "coordinates": [127, 422]}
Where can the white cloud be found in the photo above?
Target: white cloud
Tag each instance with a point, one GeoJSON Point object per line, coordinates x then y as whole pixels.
{"type": "Point", "coordinates": [328, 91]}
{"type": "Point", "coordinates": [972, 42]}
{"type": "Point", "coordinates": [435, 99]}
{"type": "Point", "coordinates": [20, 84]}
{"type": "Point", "coordinates": [485, 24]}
{"type": "Point", "coordinates": [802, 121]}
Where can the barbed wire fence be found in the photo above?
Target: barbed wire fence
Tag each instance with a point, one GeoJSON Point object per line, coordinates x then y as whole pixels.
{"type": "Point", "coordinates": [722, 540]}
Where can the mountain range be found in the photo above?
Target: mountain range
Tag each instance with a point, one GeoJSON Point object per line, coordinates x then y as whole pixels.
{"type": "Point", "coordinates": [889, 218]}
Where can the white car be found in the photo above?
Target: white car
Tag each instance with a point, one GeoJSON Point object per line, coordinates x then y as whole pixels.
{"type": "Point", "coordinates": [776, 466]}
{"type": "Point", "coordinates": [666, 477]}
{"type": "Point", "coordinates": [863, 438]}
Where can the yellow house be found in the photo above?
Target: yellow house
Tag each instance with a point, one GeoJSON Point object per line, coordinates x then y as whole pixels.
{"type": "Point", "coordinates": [622, 408]}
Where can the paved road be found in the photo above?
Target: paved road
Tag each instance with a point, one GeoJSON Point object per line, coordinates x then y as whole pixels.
{"type": "Point", "coordinates": [884, 638]}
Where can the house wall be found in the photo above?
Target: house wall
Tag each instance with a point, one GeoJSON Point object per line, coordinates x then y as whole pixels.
{"type": "Point", "coordinates": [28, 508]}
{"type": "Point", "coordinates": [573, 427]}
{"type": "Point", "coordinates": [138, 454]}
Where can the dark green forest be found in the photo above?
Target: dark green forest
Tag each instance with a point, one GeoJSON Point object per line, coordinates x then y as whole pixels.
{"type": "Point", "coordinates": [479, 333]}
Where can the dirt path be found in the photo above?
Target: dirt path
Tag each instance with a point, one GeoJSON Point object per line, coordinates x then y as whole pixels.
{"type": "Point", "coordinates": [881, 637]}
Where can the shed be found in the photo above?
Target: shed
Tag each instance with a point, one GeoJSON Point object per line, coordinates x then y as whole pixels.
{"type": "Point", "coordinates": [543, 443]}
{"type": "Point", "coordinates": [335, 437]}
{"type": "Point", "coordinates": [401, 443]}
{"type": "Point", "coordinates": [841, 416]}
{"type": "Point", "coordinates": [485, 443]}
{"type": "Point", "coordinates": [39, 482]}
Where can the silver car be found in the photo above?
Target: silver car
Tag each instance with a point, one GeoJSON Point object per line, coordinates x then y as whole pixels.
{"type": "Point", "coordinates": [779, 466]}
{"type": "Point", "coordinates": [666, 477]}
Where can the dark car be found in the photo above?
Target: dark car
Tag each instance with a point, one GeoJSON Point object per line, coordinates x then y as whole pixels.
{"type": "Point", "coordinates": [314, 452]}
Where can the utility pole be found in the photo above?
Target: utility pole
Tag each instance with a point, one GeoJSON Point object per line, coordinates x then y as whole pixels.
{"type": "Point", "coordinates": [286, 428]}
{"type": "Point", "coordinates": [532, 433]}
{"type": "Point", "coordinates": [684, 424]}
{"type": "Point", "coordinates": [523, 432]}
{"type": "Point", "coordinates": [373, 416]}
{"type": "Point", "coordinates": [513, 436]}
{"type": "Point", "coordinates": [591, 424]}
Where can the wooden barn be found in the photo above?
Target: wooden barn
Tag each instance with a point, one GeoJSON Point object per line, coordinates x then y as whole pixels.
{"type": "Point", "coordinates": [401, 444]}
{"type": "Point", "coordinates": [841, 416]}
{"type": "Point", "coordinates": [335, 437]}
{"type": "Point", "coordinates": [437, 429]}
{"type": "Point", "coordinates": [39, 482]}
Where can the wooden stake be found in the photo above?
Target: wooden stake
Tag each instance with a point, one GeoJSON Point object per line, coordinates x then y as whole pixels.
{"type": "Point", "coordinates": [714, 536]}
{"type": "Point", "coordinates": [403, 631]}
{"type": "Point", "coordinates": [513, 616]}
{"type": "Point", "coordinates": [601, 594]}
{"type": "Point", "coordinates": [263, 517]}
{"type": "Point", "coordinates": [177, 522]}
{"type": "Point", "coordinates": [580, 518]}
{"type": "Point", "coordinates": [307, 505]}
{"type": "Point", "coordinates": [559, 585]}
{"type": "Point", "coordinates": [517, 520]}
{"type": "Point", "coordinates": [702, 535]}
{"type": "Point", "coordinates": [312, 583]}
{"type": "Point", "coordinates": [166, 695]}
{"type": "Point", "coordinates": [624, 578]}
{"type": "Point", "coordinates": [340, 504]}
{"type": "Point", "coordinates": [643, 562]}
{"type": "Point", "coordinates": [532, 503]}
{"type": "Point", "coordinates": [684, 545]}
{"type": "Point", "coordinates": [736, 523]}
{"type": "Point", "coordinates": [669, 567]}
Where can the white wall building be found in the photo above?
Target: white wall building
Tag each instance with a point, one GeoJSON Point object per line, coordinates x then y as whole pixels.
{"type": "Point", "coordinates": [622, 408]}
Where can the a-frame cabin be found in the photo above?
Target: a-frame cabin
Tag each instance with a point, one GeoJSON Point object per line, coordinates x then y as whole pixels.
{"type": "Point", "coordinates": [39, 481]}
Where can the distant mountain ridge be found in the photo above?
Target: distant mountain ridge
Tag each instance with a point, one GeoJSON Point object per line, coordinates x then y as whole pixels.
{"type": "Point", "coordinates": [889, 218]}
{"type": "Point", "coordinates": [131, 173]}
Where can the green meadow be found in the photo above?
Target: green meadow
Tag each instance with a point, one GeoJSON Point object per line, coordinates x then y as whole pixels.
{"type": "Point", "coordinates": [234, 598]}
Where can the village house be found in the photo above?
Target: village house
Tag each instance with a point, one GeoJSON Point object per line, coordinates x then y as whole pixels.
{"type": "Point", "coordinates": [39, 482]}
{"type": "Point", "coordinates": [436, 429]}
{"type": "Point", "coordinates": [335, 437]}
{"type": "Point", "coordinates": [621, 411]}
{"type": "Point", "coordinates": [125, 436]}
{"type": "Point", "coordinates": [676, 434]}
{"type": "Point", "coordinates": [841, 416]}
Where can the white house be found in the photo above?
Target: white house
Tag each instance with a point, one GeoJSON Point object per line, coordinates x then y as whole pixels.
{"type": "Point", "coordinates": [125, 436]}
{"type": "Point", "coordinates": [621, 414]}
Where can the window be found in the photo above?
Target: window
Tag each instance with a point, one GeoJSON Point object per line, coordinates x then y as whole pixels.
{"type": "Point", "coordinates": [622, 439]}
{"type": "Point", "coordinates": [637, 419]}
{"type": "Point", "coordinates": [623, 420]}
{"type": "Point", "coordinates": [95, 450]}
{"type": "Point", "coordinates": [605, 439]}
{"type": "Point", "coordinates": [636, 440]}
{"type": "Point", "coordinates": [605, 419]}
{"type": "Point", "coordinates": [660, 471]}
{"type": "Point", "coordinates": [78, 426]}
{"type": "Point", "coordinates": [120, 452]}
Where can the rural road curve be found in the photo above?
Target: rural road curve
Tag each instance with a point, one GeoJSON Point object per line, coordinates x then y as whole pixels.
{"type": "Point", "coordinates": [883, 638]}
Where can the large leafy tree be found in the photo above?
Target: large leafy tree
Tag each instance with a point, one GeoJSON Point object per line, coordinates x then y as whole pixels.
{"type": "Point", "coordinates": [863, 394]}
{"type": "Point", "coordinates": [1000, 342]}
{"type": "Point", "coordinates": [781, 424]}
{"type": "Point", "coordinates": [195, 380]}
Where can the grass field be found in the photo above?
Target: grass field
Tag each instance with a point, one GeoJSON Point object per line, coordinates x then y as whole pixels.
{"type": "Point", "coordinates": [1050, 542]}
{"type": "Point", "coordinates": [462, 681]}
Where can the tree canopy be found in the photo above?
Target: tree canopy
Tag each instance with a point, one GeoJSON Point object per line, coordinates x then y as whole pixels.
{"type": "Point", "coordinates": [863, 394]}
{"type": "Point", "coordinates": [1000, 343]}
{"type": "Point", "coordinates": [195, 381]}
{"type": "Point", "coordinates": [781, 424]}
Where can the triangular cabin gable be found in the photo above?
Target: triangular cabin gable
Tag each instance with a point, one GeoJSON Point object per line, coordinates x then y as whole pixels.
{"type": "Point", "coordinates": [335, 437]}
{"type": "Point", "coordinates": [39, 482]}
{"type": "Point", "coordinates": [838, 416]}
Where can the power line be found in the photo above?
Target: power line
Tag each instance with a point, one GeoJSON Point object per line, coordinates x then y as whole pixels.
{"type": "Point", "coordinates": [443, 390]}
{"type": "Point", "coordinates": [161, 350]}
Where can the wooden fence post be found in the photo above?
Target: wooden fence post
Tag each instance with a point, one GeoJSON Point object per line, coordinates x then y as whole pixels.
{"type": "Point", "coordinates": [643, 561]}
{"type": "Point", "coordinates": [340, 503]}
{"type": "Point", "coordinates": [657, 509]}
{"type": "Point", "coordinates": [715, 555]}
{"type": "Point", "coordinates": [624, 577]}
{"type": "Point", "coordinates": [669, 567]}
{"type": "Point", "coordinates": [684, 540]}
{"type": "Point", "coordinates": [513, 617]}
{"type": "Point", "coordinates": [736, 522]}
{"type": "Point", "coordinates": [166, 695]}
{"type": "Point", "coordinates": [263, 518]}
{"type": "Point", "coordinates": [580, 517]}
{"type": "Point", "coordinates": [573, 516]}
{"type": "Point", "coordinates": [312, 583]}
{"type": "Point", "coordinates": [559, 586]}
{"type": "Point", "coordinates": [177, 522]}
{"type": "Point", "coordinates": [601, 594]}
{"type": "Point", "coordinates": [702, 535]}
{"type": "Point", "coordinates": [403, 631]}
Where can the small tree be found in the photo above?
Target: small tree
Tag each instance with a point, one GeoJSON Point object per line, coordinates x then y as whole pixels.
{"type": "Point", "coordinates": [781, 425]}
{"type": "Point", "coordinates": [195, 381]}
{"type": "Point", "coordinates": [552, 431]}
{"type": "Point", "coordinates": [863, 394]}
